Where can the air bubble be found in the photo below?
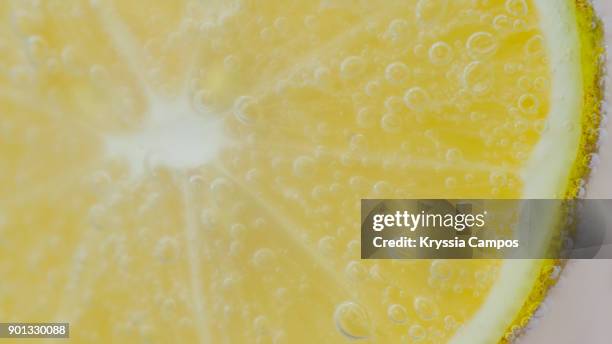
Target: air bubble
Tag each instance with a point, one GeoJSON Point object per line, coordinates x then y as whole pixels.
{"type": "Point", "coordinates": [303, 166]}
{"type": "Point", "coordinates": [529, 104]}
{"type": "Point", "coordinates": [37, 46]}
{"type": "Point", "coordinates": [166, 249]}
{"type": "Point", "coordinates": [476, 78]}
{"type": "Point", "coordinates": [396, 28]}
{"type": "Point", "coordinates": [417, 333]}
{"type": "Point", "coordinates": [391, 123]}
{"type": "Point", "coordinates": [352, 67]}
{"type": "Point", "coordinates": [281, 24]}
{"type": "Point", "coordinates": [450, 182]}
{"type": "Point", "coordinates": [220, 188]}
{"type": "Point", "coordinates": [449, 322]}
{"type": "Point", "coordinates": [416, 99]}
{"type": "Point", "coordinates": [425, 308]}
{"type": "Point", "coordinates": [231, 63]}
{"type": "Point", "coordinates": [68, 56]}
{"type": "Point", "coordinates": [397, 313]}
{"type": "Point", "coordinates": [209, 217]}
{"type": "Point", "coordinates": [534, 46]}
{"type": "Point", "coordinates": [352, 320]}
{"type": "Point", "coordinates": [201, 100]}
{"type": "Point", "coordinates": [355, 271]}
{"type": "Point", "coordinates": [260, 324]}
{"type": "Point", "coordinates": [519, 25]}
{"type": "Point", "coordinates": [357, 141]}
{"type": "Point", "coordinates": [326, 244]}
{"type": "Point", "coordinates": [440, 270]}
{"type": "Point", "coordinates": [366, 117]}
{"type": "Point", "coordinates": [264, 257]}
{"type": "Point", "coordinates": [373, 88]}
{"type": "Point", "coordinates": [98, 74]}
{"type": "Point", "coordinates": [322, 76]}
{"type": "Point", "coordinates": [501, 22]}
{"type": "Point", "coordinates": [481, 45]}
{"type": "Point", "coordinates": [429, 11]}
{"type": "Point", "coordinates": [394, 104]}
{"type": "Point", "coordinates": [440, 53]}
{"type": "Point", "coordinates": [498, 178]}
{"type": "Point", "coordinates": [396, 72]}
{"type": "Point", "coordinates": [516, 7]}
{"type": "Point", "coordinates": [453, 155]}
{"type": "Point", "coordinates": [244, 109]}
{"type": "Point", "coordinates": [382, 188]}
{"type": "Point", "coordinates": [540, 83]}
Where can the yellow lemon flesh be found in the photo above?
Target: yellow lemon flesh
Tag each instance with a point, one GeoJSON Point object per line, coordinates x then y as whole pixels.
{"type": "Point", "coordinates": [192, 170]}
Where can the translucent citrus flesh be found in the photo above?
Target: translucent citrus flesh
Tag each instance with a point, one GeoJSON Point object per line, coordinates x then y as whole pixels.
{"type": "Point", "coordinates": [193, 170]}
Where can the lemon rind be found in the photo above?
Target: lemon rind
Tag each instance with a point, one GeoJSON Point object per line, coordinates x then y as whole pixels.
{"type": "Point", "coordinates": [592, 64]}
{"type": "Point", "coordinates": [558, 167]}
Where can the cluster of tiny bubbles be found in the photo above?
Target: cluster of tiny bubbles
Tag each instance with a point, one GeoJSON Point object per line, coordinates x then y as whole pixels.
{"type": "Point", "coordinates": [352, 67]}
{"type": "Point", "coordinates": [396, 72]}
{"type": "Point", "coordinates": [397, 313]}
{"type": "Point", "coordinates": [425, 308]}
{"type": "Point", "coordinates": [352, 320]}
{"type": "Point", "coordinates": [440, 53]}
{"type": "Point", "coordinates": [166, 249]}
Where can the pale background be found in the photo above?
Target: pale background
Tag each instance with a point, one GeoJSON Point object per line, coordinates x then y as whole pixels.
{"type": "Point", "coordinates": [579, 307]}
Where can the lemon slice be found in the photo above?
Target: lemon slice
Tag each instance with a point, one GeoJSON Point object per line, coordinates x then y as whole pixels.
{"type": "Point", "coordinates": [192, 170]}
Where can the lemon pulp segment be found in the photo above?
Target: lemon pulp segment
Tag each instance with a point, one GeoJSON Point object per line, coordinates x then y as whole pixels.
{"type": "Point", "coordinates": [194, 169]}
